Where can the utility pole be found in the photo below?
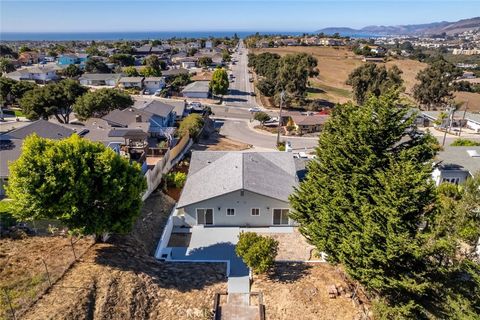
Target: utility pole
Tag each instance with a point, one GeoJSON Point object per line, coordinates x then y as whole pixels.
{"type": "Point", "coordinates": [282, 97]}
{"type": "Point", "coordinates": [451, 111]}
{"type": "Point", "coordinates": [463, 118]}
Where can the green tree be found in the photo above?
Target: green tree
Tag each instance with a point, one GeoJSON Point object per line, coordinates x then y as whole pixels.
{"type": "Point", "coordinates": [100, 102]}
{"type": "Point", "coordinates": [371, 79]}
{"type": "Point", "coordinates": [204, 61]}
{"type": "Point", "coordinates": [19, 89]}
{"type": "Point", "coordinates": [192, 124]}
{"type": "Point", "coordinates": [84, 184]}
{"type": "Point", "coordinates": [219, 83]}
{"type": "Point", "coordinates": [72, 71]}
{"type": "Point", "coordinates": [130, 71]}
{"type": "Point", "coordinates": [367, 192]}
{"type": "Point", "coordinates": [6, 65]}
{"type": "Point", "coordinates": [262, 117]}
{"type": "Point", "coordinates": [23, 49]}
{"type": "Point", "coordinates": [152, 61]}
{"type": "Point", "coordinates": [95, 65]}
{"type": "Point", "coordinates": [433, 89]}
{"type": "Point", "coordinates": [122, 59]}
{"type": "Point", "coordinates": [258, 252]}
{"type": "Point", "coordinates": [6, 85]}
{"type": "Point", "coordinates": [226, 57]}
{"type": "Point", "coordinates": [93, 51]}
{"type": "Point", "coordinates": [148, 71]}
{"type": "Point", "coordinates": [54, 99]}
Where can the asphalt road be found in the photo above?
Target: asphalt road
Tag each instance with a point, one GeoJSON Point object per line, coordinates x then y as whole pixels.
{"type": "Point", "coordinates": [241, 87]}
{"type": "Point", "coordinates": [238, 129]}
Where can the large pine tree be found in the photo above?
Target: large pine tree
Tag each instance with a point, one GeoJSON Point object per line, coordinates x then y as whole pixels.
{"type": "Point", "coordinates": [367, 193]}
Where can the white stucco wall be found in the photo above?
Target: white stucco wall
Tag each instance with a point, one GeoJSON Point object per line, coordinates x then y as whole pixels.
{"type": "Point", "coordinates": [438, 175]}
{"type": "Point", "coordinates": [242, 205]}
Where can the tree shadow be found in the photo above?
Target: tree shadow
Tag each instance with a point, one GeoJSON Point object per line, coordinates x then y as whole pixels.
{"type": "Point", "coordinates": [315, 90]}
{"type": "Point", "coordinates": [288, 272]}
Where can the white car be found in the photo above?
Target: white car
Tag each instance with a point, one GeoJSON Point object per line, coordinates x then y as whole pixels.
{"type": "Point", "coordinates": [254, 109]}
{"type": "Point", "coordinates": [158, 92]}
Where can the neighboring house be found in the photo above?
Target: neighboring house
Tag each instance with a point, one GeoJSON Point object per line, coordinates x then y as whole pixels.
{"type": "Point", "coordinates": [309, 123]}
{"type": "Point", "coordinates": [11, 143]}
{"type": "Point", "coordinates": [174, 72]}
{"type": "Point", "coordinates": [154, 83]}
{"type": "Point", "coordinates": [208, 44]}
{"type": "Point", "coordinates": [100, 79]}
{"type": "Point", "coordinates": [143, 50]}
{"type": "Point", "coordinates": [197, 89]}
{"type": "Point", "coordinates": [77, 59]}
{"type": "Point", "coordinates": [155, 118]}
{"type": "Point", "coordinates": [239, 189]}
{"type": "Point", "coordinates": [131, 82]}
{"type": "Point", "coordinates": [460, 119]}
{"type": "Point", "coordinates": [188, 63]}
{"type": "Point", "coordinates": [180, 106]}
{"type": "Point", "coordinates": [28, 58]}
{"type": "Point", "coordinates": [37, 74]}
{"type": "Point", "coordinates": [456, 164]}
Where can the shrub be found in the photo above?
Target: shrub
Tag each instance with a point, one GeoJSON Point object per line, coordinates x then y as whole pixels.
{"type": "Point", "coordinates": [175, 179]}
{"type": "Point", "coordinates": [465, 143]}
{"type": "Point", "coordinates": [258, 252]}
{"type": "Point", "coordinates": [281, 146]}
{"type": "Point", "coordinates": [192, 124]}
{"type": "Point", "coordinates": [262, 117]}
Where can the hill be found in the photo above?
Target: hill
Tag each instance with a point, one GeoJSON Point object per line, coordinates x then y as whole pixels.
{"type": "Point", "coordinates": [414, 29]}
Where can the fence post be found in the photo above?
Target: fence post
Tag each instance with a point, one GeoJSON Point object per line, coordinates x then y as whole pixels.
{"type": "Point", "coordinates": [10, 304]}
{"type": "Point", "coordinates": [48, 274]}
{"type": "Point", "coordinates": [73, 248]}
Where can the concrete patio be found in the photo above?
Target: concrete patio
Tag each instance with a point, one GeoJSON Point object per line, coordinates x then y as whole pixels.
{"type": "Point", "coordinates": [210, 244]}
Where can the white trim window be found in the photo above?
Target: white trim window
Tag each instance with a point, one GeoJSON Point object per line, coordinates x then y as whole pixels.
{"type": "Point", "coordinates": [255, 212]}
{"type": "Point", "coordinates": [230, 212]}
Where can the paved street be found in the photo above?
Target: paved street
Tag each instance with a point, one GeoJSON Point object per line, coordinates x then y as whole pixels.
{"type": "Point", "coordinates": [237, 129]}
{"type": "Point", "coordinates": [240, 88]}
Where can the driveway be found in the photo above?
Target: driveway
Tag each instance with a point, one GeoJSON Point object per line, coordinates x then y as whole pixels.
{"type": "Point", "coordinates": [216, 244]}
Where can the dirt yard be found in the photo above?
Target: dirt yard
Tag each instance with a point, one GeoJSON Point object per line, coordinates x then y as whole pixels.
{"type": "Point", "coordinates": [300, 291]}
{"type": "Point", "coordinates": [119, 279]}
{"type": "Point", "coordinates": [336, 64]}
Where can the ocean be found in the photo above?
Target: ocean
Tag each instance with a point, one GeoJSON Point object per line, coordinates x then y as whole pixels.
{"type": "Point", "coordinates": [147, 35]}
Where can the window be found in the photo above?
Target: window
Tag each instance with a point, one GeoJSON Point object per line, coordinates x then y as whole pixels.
{"type": "Point", "coordinates": [255, 211]}
{"type": "Point", "coordinates": [230, 212]}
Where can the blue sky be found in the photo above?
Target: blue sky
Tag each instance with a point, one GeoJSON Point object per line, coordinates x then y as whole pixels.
{"type": "Point", "coordinates": [246, 15]}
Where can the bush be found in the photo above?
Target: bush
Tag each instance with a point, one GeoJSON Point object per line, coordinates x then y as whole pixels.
{"type": "Point", "coordinates": [192, 125]}
{"type": "Point", "coordinates": [175, 179]}
{"type": "Point", "coordinates": [281, 146]}
{"type": "Point", "coordinates": [465, 143]}
{"type": "Point", "coordinates": [262, 117]}
{"type": "Point", "coordinates": [258, 252]}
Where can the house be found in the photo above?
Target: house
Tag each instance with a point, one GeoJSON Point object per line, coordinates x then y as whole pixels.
{"type": "Point", "coordinates": [28, 58]}
{"type": "Point", "coordinates": [143, 50]}
{"type": "Point", "coordinates": [188, 63]}
{"type": "Point", "coordinates": [308, 123]}
{"type": "Point", "coordinates": [197, 89]}
{"type": "Point", "coordinates": [131, 82]}
{"type": "Point", "coordinates": [173, 72]}
{"type": "Point", "coordinates": [239, 189]}
{"type": "Point", "coordinates": [208, 44]}
{"type": "Point", "coordinates": [38, 74]}
{"type": "Point", "coordinates": [11, 143]}
{"type": "Point", "coordinates": [77, 59]}
{"type": "Point", "coordinates": [155, 118]}
{"type": "Point", "coordinates": [473, 121]}
{"type": "Point", "coordinates": [154, 83]}
{"type": "Point", "coordinates": [100, 79]}
{"type": "Point", "coordinates": [456, 164]}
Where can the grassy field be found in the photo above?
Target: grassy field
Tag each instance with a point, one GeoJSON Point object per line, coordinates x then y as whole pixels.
{"type": "Point", "coordinates": [336, 64]}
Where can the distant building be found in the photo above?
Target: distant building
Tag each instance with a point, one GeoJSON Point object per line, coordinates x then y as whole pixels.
{"type": "Point", "coordinates": [100, 79]}
{"type": "Point", "coordinates": [69, 59]}
{"type": "Point", "coordinates": [38, 74]}
{"type": "Point", "coordinates": [197, 89]}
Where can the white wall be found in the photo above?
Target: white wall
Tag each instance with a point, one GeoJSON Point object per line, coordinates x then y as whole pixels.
{"type": "Point", "coordinates": [198, 95]}
{"type": "Point", "coordinates": [242, 205]}
{"type": "Point", "coordinates": [473, 125]}
{"type": "Point", "coordinates": [439, 175]}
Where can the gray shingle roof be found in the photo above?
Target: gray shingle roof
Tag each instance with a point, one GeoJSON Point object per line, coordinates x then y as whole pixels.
{"type": "Point", "coordinates": [100, 76]}
{"type": "Point", "coordinates": [127, 116]}
{"type": "Point", "coordinates": [460, 156]}
{"type": "Point", "coordinates": [211, 174]}
{"type": "Point", "coordinates": [158, 108]}
{"type": "Point", "coordinates": [197, 86]}
{"type": "Point", "coordinates": [42, 128]}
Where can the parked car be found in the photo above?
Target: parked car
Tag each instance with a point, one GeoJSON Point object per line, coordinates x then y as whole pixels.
{"type": "Point", "coordinates": [253, 94]}
{"type": "Point", "coordinates": [195, 105]}
{"type": "Point", "coordinates": [158, 92]}
{"type": "Point", "coordinates": [146, 92]}
{"type": "Point", "coordinates": [254, 109]}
